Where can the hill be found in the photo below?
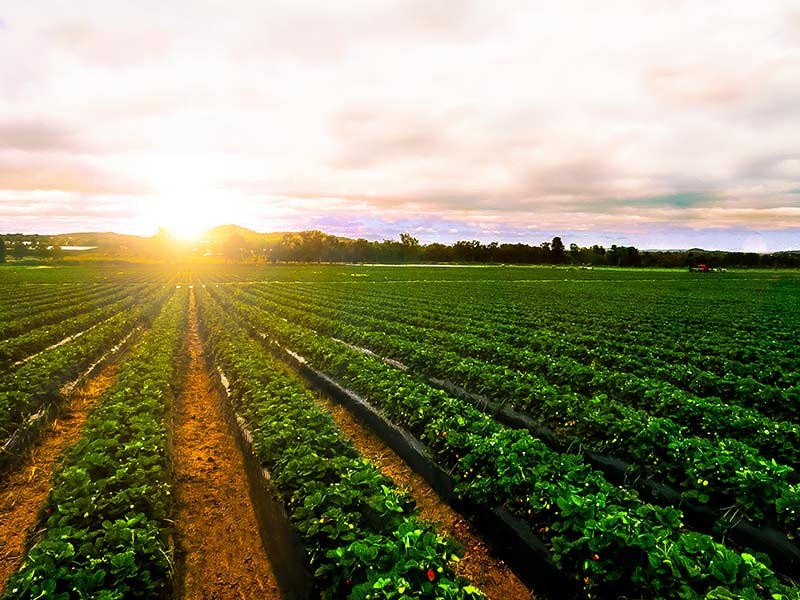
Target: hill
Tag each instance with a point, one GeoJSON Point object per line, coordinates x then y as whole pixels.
{"type": "Point", "coordinates": [105, 242]}
{"type": "Point", "coordinates": [221, 233]}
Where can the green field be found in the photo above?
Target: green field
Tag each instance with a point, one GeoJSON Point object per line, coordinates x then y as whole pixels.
{"type": "Point", "coordinates": [643, 425]}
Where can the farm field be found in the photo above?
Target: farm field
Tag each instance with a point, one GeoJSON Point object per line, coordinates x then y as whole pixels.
{"type": "Point", "coordinates": [387, 432]}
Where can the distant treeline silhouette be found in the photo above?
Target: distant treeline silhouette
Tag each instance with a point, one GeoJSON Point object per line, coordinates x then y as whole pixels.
{"type": "Point", "coordinates": [319, 247]}
{"type": "Point", "coordinates": [316, 246]}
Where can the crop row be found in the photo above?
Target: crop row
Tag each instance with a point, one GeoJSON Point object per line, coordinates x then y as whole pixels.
{"type": "Point", "coordinates": [58, 303]}
{"type": "Point", "coordinates": [364, 537]}
{"type": "Point", "coordinates": [702, 374]}
{"type": "Point", "coordinates": [12, 294]}
{"type": "Point", "coordinates": [90, 274]}
{"type": "Point", "coordinates": [581, 362]}
{"type": "Point", "coordinates": [77, 318]}
{"type": "Point", "coordinates": [614, 543]}
{"type": "Point", "coordinates": [105, 523]}
{"type": "Point", "coordinates": [49, 306]}
{"type": "Point", "coordinates": [554, 374]}
{"type": "Point", "coordinates": [719, 471]}
{"type": "Point", "coordinates": [23, 391]}
{"type": "Point", "coordinates": [743, 329]}
{"type": "Point", "coordinates": [701, 416]}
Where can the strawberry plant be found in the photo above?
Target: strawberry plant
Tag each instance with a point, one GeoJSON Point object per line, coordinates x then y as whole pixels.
{"type": "Point", "coordinates": [105, 525]}
{"type": "Point", "coordinates": [683, 458]}
{"type": "Point", "coordinates": [577, 511]}
{"type": "Point", "coordinates": [363, 536]}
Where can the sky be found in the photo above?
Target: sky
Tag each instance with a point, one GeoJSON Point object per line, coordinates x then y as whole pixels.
{"type": "Point", "coordinates": [657, 124]}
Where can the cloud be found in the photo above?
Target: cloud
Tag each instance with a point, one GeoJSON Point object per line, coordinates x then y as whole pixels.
{"type": "Point", "coordinates": [485, 118]}
{"type": "Point", "coordinates": [778, 168]}
{"type": "Point", "coordinates": [587, 176]}
{"type": "Point", "coordinates": [66, 174]}
{"type": "Point", "coordinates": [315, 33]}
{"type": "Point", "coordinates": [50, 212]}
{"type": "Point", "coordinates": [62, 204]}
{"type": "Point", "coordinates": [699, 86]}
{"type": "Point", "coordinates": [679, 200]}
{"type": "Point", "coordinates": [33, 135]}
{"type": "Point", "coordinates": [109, 44]}
{"type": "Point", "coordinates": [369, 137]}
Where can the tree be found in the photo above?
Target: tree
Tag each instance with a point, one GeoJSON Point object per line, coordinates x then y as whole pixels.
{"type": "Point", "coordinates": [437, 252]}
{"type": "Point", "coordinates": [597, 255]}
{"type": "Point", "coordinates": [313, 243]}
{"type": "Point", "coordinates": [20, 250]}
{"type": "Point", "coordinates": [557, 250]}
{"type": "Point", "coordinates": [466, 251]}
{"type": "Point", "coordinates": [2, 250]}
{"type": "Point", "coordinates": [614, 255]}
{"type": "Point", "coordinates": [164, 244]}
{"type": "Point", "coordinates": [632, 257]}
{"type": "Point", "coordinates": [491, 250]}
{"type": "Point", "coordinates": [233, 247]}
{"type": "Point", "coordinates": [574, 252]}
{"type": "Point", "coordinates": [361, 251]}
{"type": "Point", "coordinates": [408, 240]}
{"type": "Point", "coordinates": [410, 246]}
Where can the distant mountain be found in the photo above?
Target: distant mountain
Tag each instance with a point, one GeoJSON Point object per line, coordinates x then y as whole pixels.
{"type": "Point", "coordinates": [106, 241]}
{"type": "Point", "coordinates": [110, 244]}
{"type": "Point", "coordinates": [220, 233]}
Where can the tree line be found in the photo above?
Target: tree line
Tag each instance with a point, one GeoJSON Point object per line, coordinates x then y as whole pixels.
{"type": "Point", "coordinates": [20, 247]}
{"type": "Point", "coordinates": [318, 247]}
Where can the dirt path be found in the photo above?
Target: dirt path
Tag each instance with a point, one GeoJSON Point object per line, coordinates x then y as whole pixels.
{"type": "Point", "coordinates": [25, 489]}
{"type": "Point", "coordinates": [220, 554]}
{"type": "Point", "coordinates": [490, 574]}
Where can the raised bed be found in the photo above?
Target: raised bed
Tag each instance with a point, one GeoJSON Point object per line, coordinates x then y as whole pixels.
{"type": "Point", "coordinates": [31, 431]}
{"type": "Point", "coordinates": [510, 537]}
{"type": "Point", "coordinates": [783, 553]}
{"type": "Point", "coordinates": [284, 547]}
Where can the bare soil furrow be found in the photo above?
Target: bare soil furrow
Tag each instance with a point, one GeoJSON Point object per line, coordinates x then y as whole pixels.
{"type": "Point", "coordinates": [24, 491]}
{"type": "Point", "coordinates": [478, 565]}
{"type": "Point", "coordinates": [220, 555]}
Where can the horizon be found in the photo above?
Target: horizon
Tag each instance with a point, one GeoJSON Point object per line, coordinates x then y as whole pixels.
{"type": "Point", "coordinates": [531, 242]}
{"type": "Point", "coordinates": [646, 125]}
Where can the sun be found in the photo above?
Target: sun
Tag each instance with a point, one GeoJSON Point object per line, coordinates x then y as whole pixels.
{"type": "Point", "coordinates": [188, 217]}
{"type": "Point", "coordinates": [185, 202]}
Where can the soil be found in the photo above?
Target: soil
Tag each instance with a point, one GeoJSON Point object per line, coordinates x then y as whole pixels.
{"type": "Point", "coordinates": [25, 489]}
{"type": "Point", "coordinates": [219, 551]}
{"type": "Point", "coordinates": [487, 572]}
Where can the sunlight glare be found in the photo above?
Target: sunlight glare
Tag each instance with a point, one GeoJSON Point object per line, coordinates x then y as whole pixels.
{"type": "Point", "coordinates": [188, 216]}
{"type": "Point", "coordinates": [185, 204]}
